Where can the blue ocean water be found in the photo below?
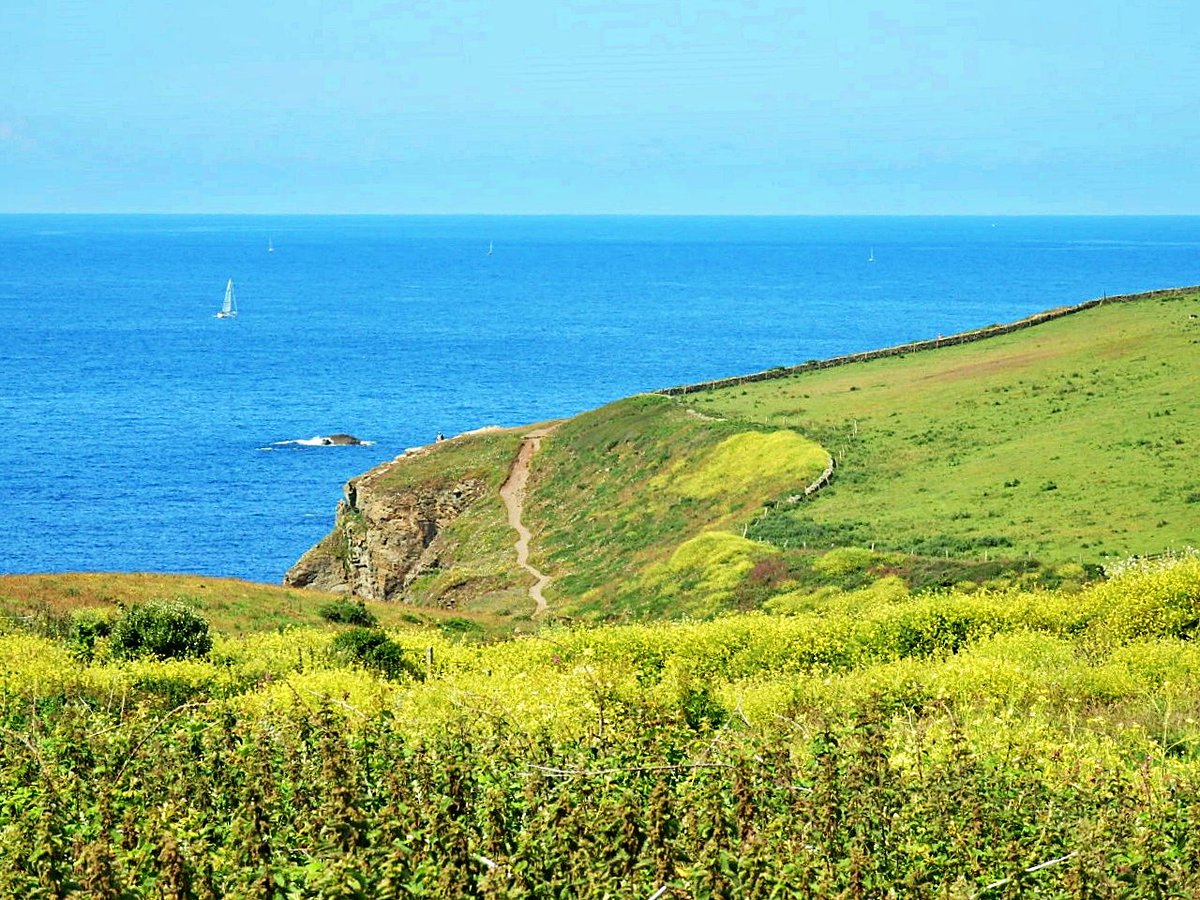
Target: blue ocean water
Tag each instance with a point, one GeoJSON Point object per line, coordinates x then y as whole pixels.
{"type": "Point", "coordinates": [134, 422]}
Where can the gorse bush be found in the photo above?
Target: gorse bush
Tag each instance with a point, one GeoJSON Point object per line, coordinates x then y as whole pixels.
{"type": "Point", "coordinates": [372, 649]}
{"type": "Point", "coordinates": [348, 612]}
{"type": "Point", "coordinates": [163, 630]}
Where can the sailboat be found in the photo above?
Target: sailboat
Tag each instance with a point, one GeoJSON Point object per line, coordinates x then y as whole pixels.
{"type": "Point", "coordinates": [270, 246]}
{"type": "Point", "coordinates": [229, 307]}
{"type": "Point", "coordinates": [871, 258]}
{"type": "Point", "coordinates": [490, 248]}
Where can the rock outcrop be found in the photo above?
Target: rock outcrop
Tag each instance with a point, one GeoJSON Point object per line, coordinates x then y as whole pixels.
{"type": "Point", "coordinates": [343, 440]}
{"type": "Point", "coordinates": [384, 536]}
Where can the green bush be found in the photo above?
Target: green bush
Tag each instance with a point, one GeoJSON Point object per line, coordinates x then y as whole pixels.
{"type": "Point", "coordinates": [845, 561]}
{"type": "Point", "coordinates": [702, 710]}
{"type": "Point", "coordinates": [461, 627]}
{"type": "Point", "coordinates": [88, 626]}
{"type": "Point", "coordinates": [372, 649]}
{"type": "Point", "coordinates": [348, 612]}
{"type": "Point", "coordinates": [164, 630]}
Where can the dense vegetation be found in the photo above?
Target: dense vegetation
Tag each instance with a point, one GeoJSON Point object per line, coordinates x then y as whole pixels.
{"type": "Point", "coordinates": [878, 744]}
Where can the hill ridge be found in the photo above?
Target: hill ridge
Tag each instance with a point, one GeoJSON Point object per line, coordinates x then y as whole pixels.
{"type": "Point", "coordinates": [1043, 454]}
{"type": "Point", "coordinates": [962, 337]}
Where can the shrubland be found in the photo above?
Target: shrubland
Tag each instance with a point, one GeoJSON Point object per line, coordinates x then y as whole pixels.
{"type": "Point", "coordinates": [874, 742]}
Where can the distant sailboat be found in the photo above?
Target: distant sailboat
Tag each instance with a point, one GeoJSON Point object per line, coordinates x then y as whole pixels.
{"type": "Point", "coordinates": [229, 307]}
{"type": "Point", "coordinates": [490, 248]}
{"type": "Point", "coordinates": [871, 258]}
{"type": "Point", "coordinates": [270, 246]}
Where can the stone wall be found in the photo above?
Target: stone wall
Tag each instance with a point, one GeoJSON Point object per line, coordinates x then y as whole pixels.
{"type": "Point", "coordinates": [824, 479]}
{"type": "Point", "coordinates": [965, 337]}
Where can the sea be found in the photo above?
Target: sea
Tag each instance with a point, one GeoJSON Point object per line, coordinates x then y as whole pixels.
{"type": "Point", "coordinates": [139, 432]}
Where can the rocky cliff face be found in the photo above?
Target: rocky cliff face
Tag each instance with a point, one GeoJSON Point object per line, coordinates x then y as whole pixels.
{"type": "Point", "coordinates": [383, 537]}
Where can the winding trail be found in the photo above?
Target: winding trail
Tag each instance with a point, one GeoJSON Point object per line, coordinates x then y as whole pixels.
{"type": "Point", "coordinates": [513, 495]}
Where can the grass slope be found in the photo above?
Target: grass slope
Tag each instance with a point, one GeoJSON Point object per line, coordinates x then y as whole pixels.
{"type": "Point", "coordinates": [231, 606]}
{"type": "Point", "coordinates": [478, 569]}
{"type": "Point", "coordinates": [618, 490]}
{"type": "Point", "coordinates": [1072, 440]}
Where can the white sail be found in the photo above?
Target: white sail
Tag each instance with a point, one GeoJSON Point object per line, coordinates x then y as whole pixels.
{"type": "Point", "coordinates": [229, 307]}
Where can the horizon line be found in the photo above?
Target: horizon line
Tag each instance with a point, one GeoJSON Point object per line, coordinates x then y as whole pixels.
{"type": "Point", "coordinates": [611, 215]}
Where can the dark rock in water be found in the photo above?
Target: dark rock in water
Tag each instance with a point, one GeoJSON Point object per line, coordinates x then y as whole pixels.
{"type": "Point", "coordinates": [341, 439]}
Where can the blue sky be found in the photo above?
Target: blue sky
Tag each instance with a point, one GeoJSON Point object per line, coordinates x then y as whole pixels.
{"type": "Point", "coordinates": [465, 106]}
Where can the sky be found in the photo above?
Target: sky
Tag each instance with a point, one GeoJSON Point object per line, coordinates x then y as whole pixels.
{"type": "Point", "coordinates": [922, 107]}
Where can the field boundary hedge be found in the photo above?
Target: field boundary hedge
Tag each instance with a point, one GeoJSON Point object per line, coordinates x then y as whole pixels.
{"type": "Point", "coordinates": [965, 337]}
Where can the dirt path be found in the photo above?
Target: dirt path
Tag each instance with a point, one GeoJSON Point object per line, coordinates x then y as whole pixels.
{"type": "Point", "coordinates": [513, 495]}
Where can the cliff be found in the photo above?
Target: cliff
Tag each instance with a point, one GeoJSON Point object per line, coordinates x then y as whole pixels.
{"type": "Point", "coordinates": [391, 525]}
{"type": "Point", "coordinates": [382, 540]}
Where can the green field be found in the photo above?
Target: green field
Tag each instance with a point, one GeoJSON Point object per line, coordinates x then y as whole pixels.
{"type": "Point", "coordinates": [1072, 440]}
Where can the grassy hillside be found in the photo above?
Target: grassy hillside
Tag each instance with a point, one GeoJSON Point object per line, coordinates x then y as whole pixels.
{"type": "Point", "coordinates": [478, 570]}
{"type": "Point", "coordinates": [1072, 440]}
{"type": "Point", "coordinates": [231, 606]}
{"type": "Point", "coordinates": [1033, 456]}
{"type": "Point", "coordinates": [616, 495]}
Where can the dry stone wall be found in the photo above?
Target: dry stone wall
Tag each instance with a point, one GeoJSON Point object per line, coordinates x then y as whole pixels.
{"type": "Point", "coordinates": [965, 337]}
